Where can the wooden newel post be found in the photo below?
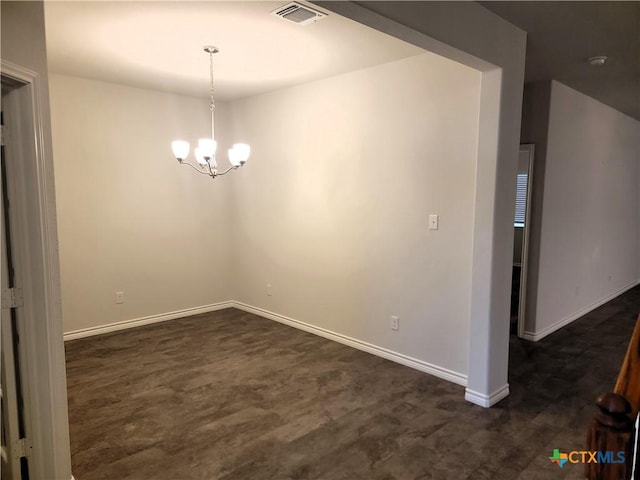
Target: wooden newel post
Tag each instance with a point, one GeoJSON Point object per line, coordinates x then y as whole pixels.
{"type": "Point", "coordinates": [611, 430]}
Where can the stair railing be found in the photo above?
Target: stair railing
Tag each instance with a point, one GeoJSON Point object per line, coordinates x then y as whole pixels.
{"type": "Point", "coordinates": [612, 428]}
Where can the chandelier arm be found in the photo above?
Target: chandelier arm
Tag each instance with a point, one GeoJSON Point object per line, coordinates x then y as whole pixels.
{"type": "Point", "coordinates": [195, 168]}
{"type": "Point", "coordinates": [228, 170]}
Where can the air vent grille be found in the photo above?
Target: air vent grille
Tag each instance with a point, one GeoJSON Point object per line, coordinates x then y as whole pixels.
{"type": "Point", "coordinates": [298, 13]}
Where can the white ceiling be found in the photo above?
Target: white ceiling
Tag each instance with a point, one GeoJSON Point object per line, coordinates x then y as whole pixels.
{"type": "Point", "coordinates": [158, 44]}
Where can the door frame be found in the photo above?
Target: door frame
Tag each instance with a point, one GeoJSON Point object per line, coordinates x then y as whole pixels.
{"type": "Point", "coordinates": [36, 259]}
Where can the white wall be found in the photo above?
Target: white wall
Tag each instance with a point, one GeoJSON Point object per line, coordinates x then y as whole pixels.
{"type": "Point", "coordinates": [468, 33]}
{"type": "Point", "coordinates": [333, 209]}
{"type": "Point", "coordinates": [590, 225]}
{"type": "Point", "coordinates": [132, 219]}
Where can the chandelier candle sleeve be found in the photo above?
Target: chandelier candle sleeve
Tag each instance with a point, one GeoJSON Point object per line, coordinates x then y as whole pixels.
{"type": "Point", "coordinates": [205, 152]}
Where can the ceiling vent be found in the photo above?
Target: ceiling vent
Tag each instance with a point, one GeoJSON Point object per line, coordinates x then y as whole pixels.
{"type": "Point", "coordinates": [298, 13]}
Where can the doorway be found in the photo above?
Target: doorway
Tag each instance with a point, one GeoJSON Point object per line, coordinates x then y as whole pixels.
{"type": "Point", "coordinates": [14, 431]}
{"type": "Point", "coordinates": [521, 239]}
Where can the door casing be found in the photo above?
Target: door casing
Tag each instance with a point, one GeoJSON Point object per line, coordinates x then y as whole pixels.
{"type": "Point", "coordinates": [36, 259]}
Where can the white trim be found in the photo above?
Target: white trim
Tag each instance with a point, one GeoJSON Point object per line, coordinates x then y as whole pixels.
{"type": "Point", "coordinates": [486, 401]}
{"type": "Point", "coordinates": [436, 371]}
{"type": "Point", "coordinates": [527, 335]}
{"type": "Point", "coordinates": [535, 336]}
{"type": "Point", "coordinates": [138, 322]}
{"type": "Point", "coordinates": [36, 255]}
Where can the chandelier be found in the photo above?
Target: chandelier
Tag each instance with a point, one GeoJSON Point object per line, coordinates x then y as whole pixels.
{"type": "Point", "coordinates": [205, 152]}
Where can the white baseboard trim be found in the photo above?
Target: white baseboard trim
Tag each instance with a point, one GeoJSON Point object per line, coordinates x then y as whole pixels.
{"type": "Point", "coordinates": [436, 371]}
{"type": "Point", "coordinates": [527, 335]}
{"type": "Point", "coordinates": [405, 360]}
{"type": "Point", "coordinates": [137, 322]}
{"type": "Point", "coordinates": [535, 336]}
{"type": "Point", "coordinates": [486, 401]}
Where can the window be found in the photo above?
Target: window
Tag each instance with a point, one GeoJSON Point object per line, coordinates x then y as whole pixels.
{"type": "Point", "coordinates": [521, 199]}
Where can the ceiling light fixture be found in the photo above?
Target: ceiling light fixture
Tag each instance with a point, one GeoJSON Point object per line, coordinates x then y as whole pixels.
{"type": "Point", "coordinates": [205, 152]}
{"type": "Point", "coordinates": [597, 61]}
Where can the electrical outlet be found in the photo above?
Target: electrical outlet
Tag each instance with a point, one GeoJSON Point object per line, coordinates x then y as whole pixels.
{"type": "Point", "coordinates": [433, 221]}
{"type": "Point", "coordinates": [119, 297]}
{"type": "Point", "coordinates": [395, 323]}
{"type": "Point", "coordinates": [269, 290]}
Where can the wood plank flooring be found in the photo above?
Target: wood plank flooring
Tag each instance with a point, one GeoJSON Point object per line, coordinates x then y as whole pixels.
{"type": "Point", "coordinates": [232, 396]}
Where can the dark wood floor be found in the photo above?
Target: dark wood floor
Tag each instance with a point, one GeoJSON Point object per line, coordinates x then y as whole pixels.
{"type": "Point", "coordinates": [232, 396]}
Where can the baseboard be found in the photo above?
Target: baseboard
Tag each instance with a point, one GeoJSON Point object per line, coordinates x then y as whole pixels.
{"type": "Point", "coordinates": [436, 371]}
{"type": "Point", "coordinates": [527, 335]}
{"type": "Point", "coordinates": [486, 401]}
{"type": "Point", "coordinates": [536, 336]}
{"type": "Point", "coordinates": [137, 322]}
{"type": "Point", "coordinates": [405, 360]}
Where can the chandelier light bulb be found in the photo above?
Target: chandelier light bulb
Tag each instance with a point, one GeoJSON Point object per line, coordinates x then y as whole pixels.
{"type": "Point", "coordinates": [208, 147]}
{"type": "Point", "coordinates": [200, 156]}
{"type": "Point", "coordinates": [233, 157]}
{"type": "Point", "coordinates": [239, 154]}
{"type": "Point", "coordinates": [180, 149]}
